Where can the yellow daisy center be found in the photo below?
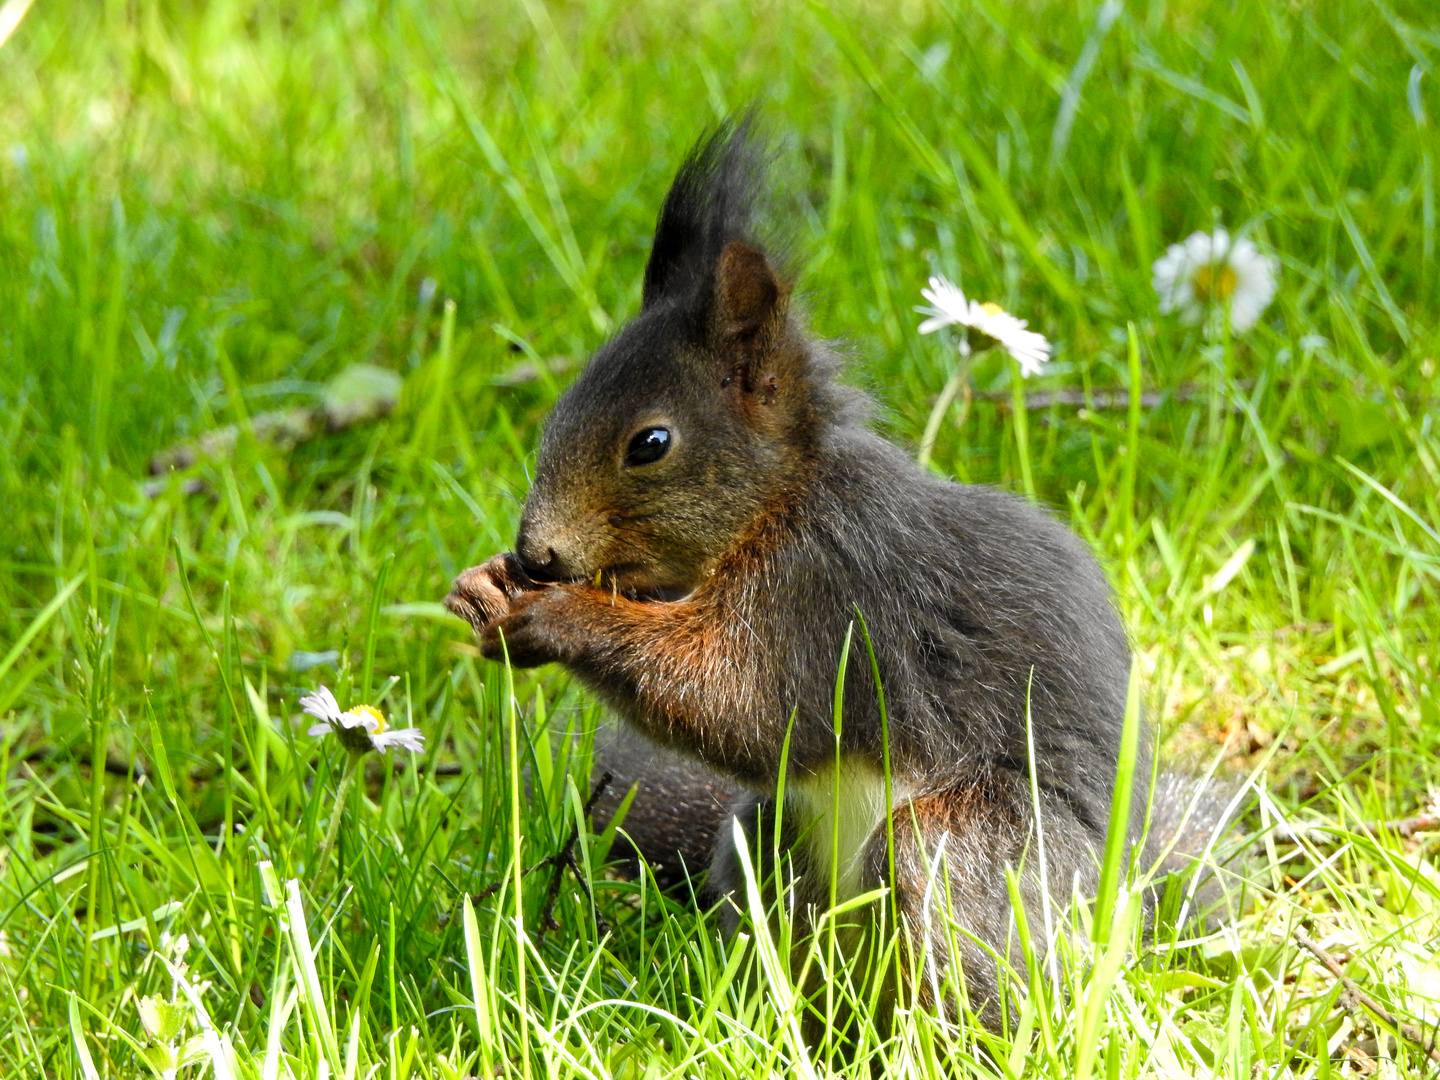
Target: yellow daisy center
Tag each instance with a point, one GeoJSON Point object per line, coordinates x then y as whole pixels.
{"type": "Point", "coordinates": [992, 309]}
{"type": "Point", "coordinates": [1214, 283]}
{"type": "Point", "coordinates": [374, 714]}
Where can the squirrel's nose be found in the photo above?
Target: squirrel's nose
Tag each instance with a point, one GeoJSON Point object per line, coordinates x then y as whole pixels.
{"type": "Point", "coordinates": [538, 559]}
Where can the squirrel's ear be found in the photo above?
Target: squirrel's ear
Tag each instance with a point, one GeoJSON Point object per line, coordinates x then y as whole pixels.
{"type": "Point", "coordinates": [748, 296]}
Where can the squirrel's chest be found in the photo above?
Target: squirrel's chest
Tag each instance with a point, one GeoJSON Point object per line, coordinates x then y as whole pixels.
{"type": "Point", "coordinates": [836, 813]}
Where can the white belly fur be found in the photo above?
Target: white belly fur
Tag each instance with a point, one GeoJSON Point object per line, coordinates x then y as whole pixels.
{"type": "Point", "coordinates": [810, 810]}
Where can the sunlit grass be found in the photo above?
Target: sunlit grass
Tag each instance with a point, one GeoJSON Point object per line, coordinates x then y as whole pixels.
{"type": "Point", "coordinates": [206, 211]}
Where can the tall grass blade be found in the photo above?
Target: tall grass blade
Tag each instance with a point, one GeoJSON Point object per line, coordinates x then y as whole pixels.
{"type": "Point", "coordinates": [1118, 835]}
{"type": "Point", "coordinates": [77, 1035]}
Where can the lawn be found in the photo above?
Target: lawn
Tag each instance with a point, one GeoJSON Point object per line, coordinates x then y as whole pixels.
{"type": "Point", "coordinates": [209, 211]}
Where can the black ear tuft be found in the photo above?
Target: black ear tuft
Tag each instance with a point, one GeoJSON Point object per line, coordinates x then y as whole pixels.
{"type": "Point", "coordinates": [709, 207]}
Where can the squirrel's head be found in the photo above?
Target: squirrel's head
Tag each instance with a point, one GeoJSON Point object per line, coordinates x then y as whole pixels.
{"type": "Point", "coordinates": [697, 416]}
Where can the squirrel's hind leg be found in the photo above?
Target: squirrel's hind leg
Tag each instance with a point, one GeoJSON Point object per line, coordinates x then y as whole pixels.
{"type": "Point", "coordinates": [754, 815]}
{"type": "Point", "coordinates": [951, 851]}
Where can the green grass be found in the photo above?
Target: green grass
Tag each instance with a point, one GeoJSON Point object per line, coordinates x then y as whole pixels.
{"type": "Point", "coordinates": [206, 210]}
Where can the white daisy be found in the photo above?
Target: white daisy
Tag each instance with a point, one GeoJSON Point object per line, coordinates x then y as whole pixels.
{"type": "Point", "coordinates": [360, 728]}
{"type": "Point", "coordinates": [987, 326]}
{"type": "Point", "coordinates": [1209, 271]}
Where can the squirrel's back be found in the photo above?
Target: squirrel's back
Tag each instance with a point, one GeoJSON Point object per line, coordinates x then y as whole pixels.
{"type": "Point", "coordinates": [992, 623]}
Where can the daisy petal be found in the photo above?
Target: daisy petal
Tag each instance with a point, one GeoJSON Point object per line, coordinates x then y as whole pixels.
{"type": "Point", "coordinates": [985, 325]}
{"type": "Point", "coordinates": [405, 738]}
{"type": "Point", "coordinates": [321, 705]}
{"type": "Point", "coordinates": [948, 299]}
{"type": "Point", "coordinates": [360, 717]}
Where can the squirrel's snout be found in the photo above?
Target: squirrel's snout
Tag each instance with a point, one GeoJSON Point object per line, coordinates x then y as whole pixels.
{"type": "Point", "coordinates": [538, 559]}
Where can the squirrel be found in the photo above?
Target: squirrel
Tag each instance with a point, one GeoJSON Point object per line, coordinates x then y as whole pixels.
{"type": "Point", "coordinates": [712, 516]}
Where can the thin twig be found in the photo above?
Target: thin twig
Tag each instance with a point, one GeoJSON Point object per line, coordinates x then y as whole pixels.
{"type": "Point", "coordinates": [1360, 997]}
{"type": "Point", "coordinates": [490, 890]}
{"type": "Point", "coordinates": [1406, 827]}
{"type": "Point", "coordinates": [565, 857]}
{"type": "Point", "coordinates": [1111, 400]}
{"type": "Point", "coordinates": [1313, 834]}
{"type": "Point", "coordinates": [360, 394]}
{"type": "Point", "coordinates": [558, 863]}
{"type": "Point", "coordinates": [1100, 400]}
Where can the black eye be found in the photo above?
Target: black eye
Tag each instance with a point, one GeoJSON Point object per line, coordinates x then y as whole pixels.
{"type": "Point", "coordinates": [647, 446]}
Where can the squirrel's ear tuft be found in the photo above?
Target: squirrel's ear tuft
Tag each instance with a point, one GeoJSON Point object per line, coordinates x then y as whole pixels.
{"type": "Point", "coordinates": [708, 208]}
{"type": "Point", "coordinates": [748, 296]}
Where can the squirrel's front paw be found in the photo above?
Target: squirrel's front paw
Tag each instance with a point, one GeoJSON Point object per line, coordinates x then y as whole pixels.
{"type": "Point", "coordinates": [538, 629]}
{"type": "Point", "coordinates": [485, 593]}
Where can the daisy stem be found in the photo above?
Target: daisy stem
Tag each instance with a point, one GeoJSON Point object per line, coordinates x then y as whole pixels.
{"type": "Point", "coordinates": [1022, 431]}
{"type": "Point", "coordinates": [342, 793]}
{"type": "Point", "coordinates": [1219, 382]}
{"type": "Point", "coordinates": [960, 379]}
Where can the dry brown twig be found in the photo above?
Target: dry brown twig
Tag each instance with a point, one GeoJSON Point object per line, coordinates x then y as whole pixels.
{"type": "Point", "coordinates": [559, 862]}
{"type": "Point", "coordinates": [1405, 828]}
{"type": "Point", "coordinates": [1354, 997]}
{"type": "Point", "coordinates": [359, 394]}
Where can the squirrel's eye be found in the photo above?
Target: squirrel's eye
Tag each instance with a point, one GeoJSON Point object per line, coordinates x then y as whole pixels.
{"type": "Point", "coordinates": [647, 446]}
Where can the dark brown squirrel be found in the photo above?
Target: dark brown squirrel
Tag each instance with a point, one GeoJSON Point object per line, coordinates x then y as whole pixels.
{"type": "Point", "coordinates": [711, 515]}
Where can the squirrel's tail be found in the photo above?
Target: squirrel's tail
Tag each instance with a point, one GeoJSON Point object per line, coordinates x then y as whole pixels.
{"type": "Point", "coordinates": [1194, 847]}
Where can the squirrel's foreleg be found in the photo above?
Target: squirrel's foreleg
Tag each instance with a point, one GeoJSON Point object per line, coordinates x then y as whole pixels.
{"type": "Point", "coordinates": [682, 672]}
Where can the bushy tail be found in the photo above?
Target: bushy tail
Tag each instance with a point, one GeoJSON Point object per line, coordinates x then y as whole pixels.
{"type": "Point", "coordinates": [1193, 841]}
